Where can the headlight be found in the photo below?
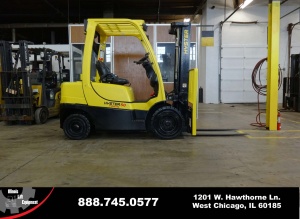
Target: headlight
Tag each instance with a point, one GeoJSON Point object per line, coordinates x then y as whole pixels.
{"type": "Point", "coordinates": [51, 94]}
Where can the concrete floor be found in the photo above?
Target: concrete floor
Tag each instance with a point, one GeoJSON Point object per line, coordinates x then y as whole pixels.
{"type": "Point", "coordinates": [40, 155]}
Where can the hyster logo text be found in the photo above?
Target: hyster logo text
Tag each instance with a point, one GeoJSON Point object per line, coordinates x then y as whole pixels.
{"type": "Point", "coordinates": [115, 104]}
{"type": "Point", "coordinates": [186, 42]}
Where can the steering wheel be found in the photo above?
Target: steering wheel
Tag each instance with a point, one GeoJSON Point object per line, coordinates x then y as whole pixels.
{"type": "Point", "coordinates": [142, 59]}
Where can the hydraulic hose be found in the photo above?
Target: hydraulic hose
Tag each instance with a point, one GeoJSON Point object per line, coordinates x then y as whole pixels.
{"type": "Point", "coordinates": [261, 89]}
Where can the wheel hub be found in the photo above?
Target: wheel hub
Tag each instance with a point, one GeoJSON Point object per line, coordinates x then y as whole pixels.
{"type": "Point", "coordinates": [167, 124]}
{"type": "Point", "coordinates": [76, 127]}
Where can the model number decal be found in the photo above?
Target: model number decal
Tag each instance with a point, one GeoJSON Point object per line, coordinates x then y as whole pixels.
{"type": "Point", "coordinates": [114, 104]}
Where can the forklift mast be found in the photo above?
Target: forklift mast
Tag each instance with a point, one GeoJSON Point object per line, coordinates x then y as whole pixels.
{"type": "Point", "coordinates": [26, 84]}
{"type": "Point", "coordinates": [179, 96]}
{"type": "Point", "coordinates": [23, 45]}
{"type": "Point", "coordinates": [16, 94]}
{"type": "Point", "coordinates": [6, 63]}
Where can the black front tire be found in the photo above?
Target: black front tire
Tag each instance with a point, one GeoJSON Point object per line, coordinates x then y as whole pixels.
{"type": "Point", "coordinates": [77, 127]}
{"type": "Point", "coordinates": [167, 123]}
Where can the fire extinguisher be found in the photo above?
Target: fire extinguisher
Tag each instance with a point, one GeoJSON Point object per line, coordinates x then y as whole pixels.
{"type": "Point", "coordinates": [278, 121]}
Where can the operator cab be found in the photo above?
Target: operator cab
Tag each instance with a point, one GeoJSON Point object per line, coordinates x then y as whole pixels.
{"type": "Point", "coordinates": [120, 70]}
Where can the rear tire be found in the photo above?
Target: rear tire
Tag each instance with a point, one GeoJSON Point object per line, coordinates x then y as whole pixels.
{"type": "Point", "coordinates": [77, 127]}
{"type": "Point", "coordinates": [40, 115]}
{"type": "Point", "coordinates": [167, 123]}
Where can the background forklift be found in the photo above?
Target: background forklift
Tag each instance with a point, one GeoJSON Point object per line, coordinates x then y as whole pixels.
{"type": "Point", "coordinates": [291, 86]}
{"type": "Point", "coordinates": [30, 89]}
{"type": "Point", "coordinates": [107, 102]}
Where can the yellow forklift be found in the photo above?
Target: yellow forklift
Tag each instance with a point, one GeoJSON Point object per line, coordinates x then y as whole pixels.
{"type": "Point", "coordinates": [30, 89]}
{"type": "Point", "coordinates": [103, 101]}
{"type": "Point", "coordinates": [107, 102]}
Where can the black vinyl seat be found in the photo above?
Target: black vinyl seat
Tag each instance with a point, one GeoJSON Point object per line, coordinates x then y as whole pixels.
{"type": "Point", "coordinates": [108, 77]}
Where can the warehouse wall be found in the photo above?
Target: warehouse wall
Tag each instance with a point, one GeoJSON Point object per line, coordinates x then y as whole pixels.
{"type": "Point", "coordinates": [240, 47]}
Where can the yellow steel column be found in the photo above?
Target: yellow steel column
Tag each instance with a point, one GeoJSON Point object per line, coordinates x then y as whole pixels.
{"type": "Point", "coordinates": [268, 63]}
{"type": "Point", "coordinates": [273, 61]}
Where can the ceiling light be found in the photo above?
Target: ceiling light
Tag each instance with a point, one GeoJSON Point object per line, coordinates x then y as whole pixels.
{"type": "Point", "coordinates": [246, 2]}
{"type": "Point", "coordinates": [186, 20]}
